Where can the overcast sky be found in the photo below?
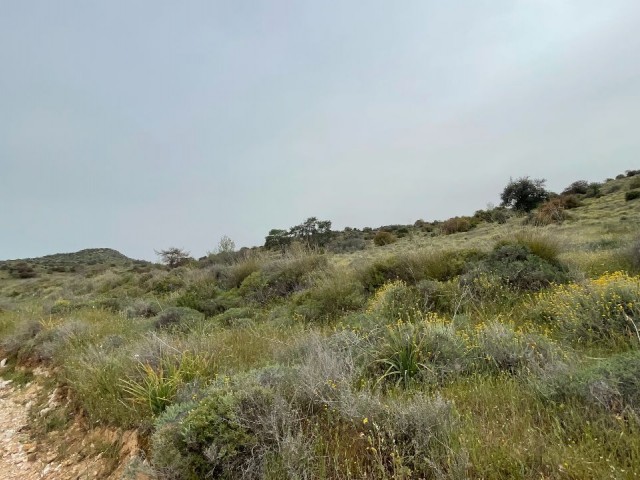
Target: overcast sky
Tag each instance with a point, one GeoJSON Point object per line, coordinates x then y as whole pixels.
{"type": "Point", "coordinates": [139, 125]}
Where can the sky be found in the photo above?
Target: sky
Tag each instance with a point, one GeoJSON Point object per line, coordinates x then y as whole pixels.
{"type": "Point", "coordinates": [148, 124]}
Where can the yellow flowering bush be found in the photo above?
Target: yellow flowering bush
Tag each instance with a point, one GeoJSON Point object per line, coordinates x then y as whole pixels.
{"type": "Point", "coordinates": [395, 301]}
{"type": "Point", "coordinates": [604, 309]}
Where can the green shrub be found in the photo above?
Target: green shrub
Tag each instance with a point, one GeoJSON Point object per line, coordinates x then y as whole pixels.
{"type": "Point", "coordinates": [632, 195]}
{"type": "Point", "coordinates": [382, 238]}
{"type": "Point", "coordinates": [325, 370]}
{"type": "Point", "coordinates": [201, 296]}
{"type": "Point", "coordinates": [414, 267]}
{"type": "Point", "coordinates": [633, 255]}
{"type": "Point", "coordinates": [601, 311]}
{"type": "Point", "coordinates": [420, 439]}
{"type": "Point", "coordinates": [236, 315]}
{"type": "Point", "coordinates": [519, 269]}
{"type": "Point", "coordinates": [612, 384]}
{"type": "Point", "coordinates": [456, 225]}
{"type": "Point", "coordinates": [24, 333]}
{"type": "Point", "coordinates": [217, 437]}
{"type": "Point", "coordinates": [177, 319]}
{"type": "Point", "coordinates": [395, 301]}
{"type": "Point", "coordinates": [167, 283]}
{"type": "Point", "coordinates": [22, 270]}
{"type": "Point", "coordinates": [332, 296]}
{"type": "Point", "coordinates": [143, 308]}
{"type": "Point", "coordinates": [579, 187]}
{"type": "Point", "coordinates": [94, 375]}
{"type": "Point", "coordinates": [441, 297]}
{"type": "Point", "coordinates": [540, 244]}
{"type": "Point", "coordinates": [419, 351]}
{"type": "Point", "coordinates": [635, 183]}
{"type": "Point", "coordinates": [492, 215]}
{"type": "Point", "coordinates": [347, 244]}
{"type": "Point", "coordinates": [282, 277]}
{"type": "Point", "coordinates": [594, 190]}
{"type": "Point", "coordinates": [502, 349]}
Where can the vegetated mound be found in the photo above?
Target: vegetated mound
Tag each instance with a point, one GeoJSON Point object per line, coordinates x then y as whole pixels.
{"type": "Point", "coordinates": [63, 262]}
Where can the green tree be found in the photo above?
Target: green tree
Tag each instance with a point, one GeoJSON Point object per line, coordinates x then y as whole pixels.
{"type": "Point", "coordinates": [524, 194]}
{"type": "Point", "coordinates": [312, 232]}
{"type": "Point", "coordinates": [277, 239]}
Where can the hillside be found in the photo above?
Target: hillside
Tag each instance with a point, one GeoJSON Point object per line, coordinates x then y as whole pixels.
{"type": "Point", "coordinates": [68, 262]}
{"type": "Point", "coordinates": [502, 344]}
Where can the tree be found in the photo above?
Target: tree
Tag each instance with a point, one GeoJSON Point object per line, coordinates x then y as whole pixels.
{"type": "Point", "coordinates": [277, 239]}
{"type": "Point", "coordinates": [173, 257]}
{"type": "Point", "coordinates": [524, 194]}
{"type": "Point", "coordinates": [578, 187]}
{"type": "Point", "coordinates": [226, 245]}
{"type": "Point", "coordinates": [312, 232]}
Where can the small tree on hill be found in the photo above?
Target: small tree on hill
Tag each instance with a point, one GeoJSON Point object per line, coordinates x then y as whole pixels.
{"type": "Point", "coordinates": [524, 194]}
{"type": "Point", "coordinates": [312, 232]}
{"type": "Point", "coordinates": [226, 245]}
{"type": "Point", "coordinates": [173, 257]}
{"type": "Point", "coordinates": [277, 239]}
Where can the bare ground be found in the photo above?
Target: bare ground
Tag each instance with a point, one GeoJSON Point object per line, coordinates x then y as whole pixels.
{"type": "Point", "coordinates": [73, 453]}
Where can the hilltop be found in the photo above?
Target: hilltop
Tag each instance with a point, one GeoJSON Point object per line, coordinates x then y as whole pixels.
{"type": "Point", "coordinates": [68, 262]}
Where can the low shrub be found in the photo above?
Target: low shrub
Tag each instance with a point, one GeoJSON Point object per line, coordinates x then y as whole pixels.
{"type": "Point", "coordinates": [413, 267]}
{"type": "Point", "coordinates": [594, 190]}
{"type": "Point", "coordinates": [203, 440]}
{"type": "Point", "coordinates": [440, 297]}
{"type": "Point", "coordinates": [612, 384]}
{"type": "Point", "coordinates": [347, 244]}
{"type": "Point", "coordinates": [22, 270]}
{"type": "Point", "coordinates": [395, 301]}
{"type": "Point", "coordinates": [166, 283]}
{"type": "Point", "coordinates": [235, 316]}
{"type": "Point", "coordinates": [500, 348]}
{"type": "Point", "coordinates": [456, 225]}
{"type": "Point", "coordinates": [518, 268]}
{"type": "Point", "coordinates": [551, 211]}
{"type": "Point", "coordinates": [143, 308]}
{"type": "Point", "coordinates": [333, 295]}
{"type": "Point", "coordinates": [236, 273]}
{"type": "Point", "coordinates": [282, 277]}
{"type": "Point", "coordinates": [201, 296]}
{"type": "Point", "coordinates": [601, 311]}
{"type": "Point", "coordinates": [539, 243]}
{"type": "Point", "coordinates": [635, 183]}
{"type": "Point", "coordinates": [420, 439]}
{"type": "Point", "coordinates": [633, 255]}
{"type": "Point", "coordinates": [578, 187]}
{"type": "Point", "coordinates": [24, 332]}
{"type": "Point", "coordinates": [382, 238]}
{"type": "Point", "coordinates": [325, 370]}
{"type": "Point", "coordinates": [632, 195]}
{"type": "Point", "coordinates": [409, 352]}
{"type": "Point", "coordinates": [492, 215]}
{"type": "Point", "coordinates": [177, 319]}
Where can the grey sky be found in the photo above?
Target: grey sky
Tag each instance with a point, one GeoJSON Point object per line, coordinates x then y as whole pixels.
{"type": "Point", "coordinates": [146, 124]}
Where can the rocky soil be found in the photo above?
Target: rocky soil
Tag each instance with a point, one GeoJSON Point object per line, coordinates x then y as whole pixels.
{"type": "Point", "coordinates": [74, 452]}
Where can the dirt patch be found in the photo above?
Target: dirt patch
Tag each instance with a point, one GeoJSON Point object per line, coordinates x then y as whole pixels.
{"type": "Point", "coordinates": [74, 452]}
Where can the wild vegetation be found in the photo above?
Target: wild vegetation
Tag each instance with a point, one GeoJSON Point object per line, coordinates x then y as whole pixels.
{"type": "Point", "coordinates": [500, 345]}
